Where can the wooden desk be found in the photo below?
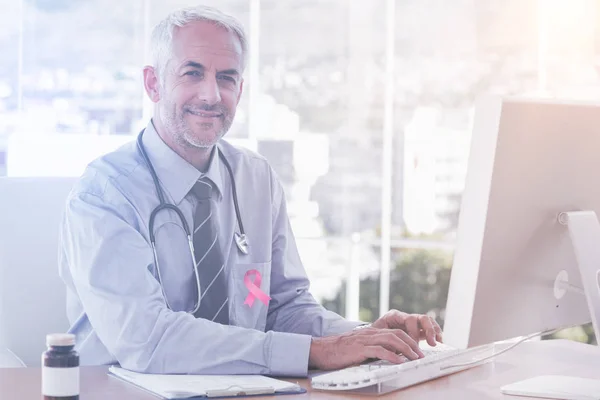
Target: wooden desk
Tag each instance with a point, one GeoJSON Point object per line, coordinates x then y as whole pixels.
{"type": "Point", "coordinates": [527, 360]}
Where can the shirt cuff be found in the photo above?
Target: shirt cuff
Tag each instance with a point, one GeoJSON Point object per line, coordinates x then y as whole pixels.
{"type": "Point", "coordinates": [289, 354]}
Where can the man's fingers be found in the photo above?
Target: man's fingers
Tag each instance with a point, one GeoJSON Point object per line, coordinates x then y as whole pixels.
{"type": "Point", "coordinates": [382, 353]}
{"type": "Point", "coordinates": [396, 319]}
{"type": "Point", "coordinates": [402, 345]}
{"type": "Point", "coordinates": [428, 326]}
{"type": "Point", "coordinates": [405, 337]}
{"type": "Point", "coordinates": [438, 330]}
{"type": "Point", "coordinates": [412, 327]}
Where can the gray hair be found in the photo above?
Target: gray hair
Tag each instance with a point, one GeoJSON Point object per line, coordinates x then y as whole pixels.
{"type": "Point", "coordinates": [162, 35]}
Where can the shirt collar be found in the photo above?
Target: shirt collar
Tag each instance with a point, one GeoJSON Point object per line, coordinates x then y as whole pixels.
{"type": "Point", "coordinates": [176, 175]}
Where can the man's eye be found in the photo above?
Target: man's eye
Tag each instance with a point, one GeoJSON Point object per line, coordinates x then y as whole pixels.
{"type": "Point", "coordinates": [227, 78]}
{"type": "Point", "coordinates": [193, 73]}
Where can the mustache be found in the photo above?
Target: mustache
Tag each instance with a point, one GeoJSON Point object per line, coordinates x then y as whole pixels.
{"type": "Point", "coordinates": [206, 107]}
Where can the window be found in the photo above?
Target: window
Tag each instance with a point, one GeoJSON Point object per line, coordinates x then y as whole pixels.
{"type": "Point", "coordinates": [321, 79]}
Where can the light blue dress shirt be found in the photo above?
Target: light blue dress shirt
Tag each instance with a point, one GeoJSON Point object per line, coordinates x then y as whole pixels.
{"type": "Point", "coordinates": [115, 303]}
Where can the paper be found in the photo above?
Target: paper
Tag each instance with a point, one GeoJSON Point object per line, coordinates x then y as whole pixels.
{"type": "Point", "coordinates": [555, 387]}
{"type": "Point", "coordinates": [186, 386]}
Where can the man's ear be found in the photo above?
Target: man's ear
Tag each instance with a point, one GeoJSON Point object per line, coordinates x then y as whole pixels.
{"type": "Point", "coordinates": [151, 83]}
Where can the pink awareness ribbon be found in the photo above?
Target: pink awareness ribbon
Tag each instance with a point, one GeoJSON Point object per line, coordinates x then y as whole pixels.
{"type": "Point", "coordinates": [254, 288]}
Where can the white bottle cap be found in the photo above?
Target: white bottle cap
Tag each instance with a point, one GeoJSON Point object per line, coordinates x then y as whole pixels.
{"type": "Point", "coordinates": [60, 339]}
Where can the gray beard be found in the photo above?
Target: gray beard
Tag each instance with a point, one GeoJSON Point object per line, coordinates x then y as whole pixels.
{"type": "Point", "coordinates": [182, 133]}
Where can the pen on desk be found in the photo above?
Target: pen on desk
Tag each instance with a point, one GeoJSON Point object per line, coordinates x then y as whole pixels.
{"type": "Point", "coordinates": [239, 392]}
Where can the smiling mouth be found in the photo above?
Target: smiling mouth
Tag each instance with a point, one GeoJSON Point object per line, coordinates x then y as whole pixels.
{"type": "Point", "coordinates": [205, 114]}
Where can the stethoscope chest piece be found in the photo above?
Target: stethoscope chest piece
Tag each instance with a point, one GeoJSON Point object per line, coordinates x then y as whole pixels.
{"type": "Point", "coordinates": [241, 242]}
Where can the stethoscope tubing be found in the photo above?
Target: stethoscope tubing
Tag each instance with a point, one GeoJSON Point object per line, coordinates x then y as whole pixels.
{"type": "Point", "coordinates": [163, 205]}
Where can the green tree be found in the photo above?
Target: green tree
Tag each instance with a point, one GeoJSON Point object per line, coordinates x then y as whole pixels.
{"type": "Point", "coordinates": [419, 283]}
{"type": "Point", "coordinates": [583, 333]}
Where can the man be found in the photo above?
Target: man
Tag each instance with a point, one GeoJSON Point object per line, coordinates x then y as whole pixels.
{"type": "Point", "coordinates": [137, 305]}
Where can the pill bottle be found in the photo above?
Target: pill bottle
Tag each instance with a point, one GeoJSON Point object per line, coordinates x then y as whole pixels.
{"type": "Point", "coordinates": [60, 368]}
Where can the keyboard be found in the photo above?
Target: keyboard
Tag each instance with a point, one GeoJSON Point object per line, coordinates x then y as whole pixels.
{"type": "Point", "coordinates": [435, 364]}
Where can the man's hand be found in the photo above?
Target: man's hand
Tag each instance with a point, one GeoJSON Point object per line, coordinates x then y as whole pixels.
{"type": "Point", "coordinates": [354, 347]}
{"type": "Point", "coordinates": [418, 326]}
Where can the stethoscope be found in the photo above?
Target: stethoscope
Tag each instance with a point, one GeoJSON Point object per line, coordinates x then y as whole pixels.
{"type": "Point", "coordinates": [240, 238]}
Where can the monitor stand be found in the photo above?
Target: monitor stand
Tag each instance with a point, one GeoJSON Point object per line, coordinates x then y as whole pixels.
{"type": "Point", "coordinates": [584, 230]}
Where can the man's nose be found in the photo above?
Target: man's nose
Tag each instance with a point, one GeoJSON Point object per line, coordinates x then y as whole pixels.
{"type": "Point", "coordinates": [208, 91]}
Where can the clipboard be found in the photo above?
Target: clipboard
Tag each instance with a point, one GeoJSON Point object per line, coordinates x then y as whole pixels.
{"type": "Point", "coordinates": [190, 387]}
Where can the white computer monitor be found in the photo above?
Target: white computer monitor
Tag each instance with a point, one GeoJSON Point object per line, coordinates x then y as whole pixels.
{"type": "Point", "coordinates": [517, 266]}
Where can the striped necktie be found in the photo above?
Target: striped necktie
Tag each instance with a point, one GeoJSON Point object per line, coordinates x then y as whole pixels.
{"type": "Point", "coordinates": [209, 259]}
